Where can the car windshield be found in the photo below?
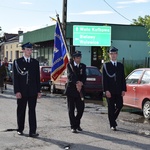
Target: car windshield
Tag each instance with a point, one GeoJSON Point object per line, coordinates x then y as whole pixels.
{"type": "Point", "coordinates": [134, 77]}
{"type": "Point", "coordinates": [46, 70]}
{"type": "Point", "coordinates": [92, 71]}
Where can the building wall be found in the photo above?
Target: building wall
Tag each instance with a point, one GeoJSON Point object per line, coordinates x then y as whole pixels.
{"type": "Point", "coordinates": [44, 55]}
{"type": "Point", "coordinates": [135, 51]}
{"type": "Point", "coordinates": [86, 54]}
{"type": "Point", "coordinates": [131, 41]}
{"type": "Point", "coordinates": [12, 50]}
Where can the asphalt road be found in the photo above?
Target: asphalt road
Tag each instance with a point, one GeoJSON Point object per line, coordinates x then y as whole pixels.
{"type": "Point", "coordinates": [53, 126]}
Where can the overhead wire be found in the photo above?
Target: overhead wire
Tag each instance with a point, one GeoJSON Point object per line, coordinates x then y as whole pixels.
{"type": "Point", "coordinates": [117, 11]}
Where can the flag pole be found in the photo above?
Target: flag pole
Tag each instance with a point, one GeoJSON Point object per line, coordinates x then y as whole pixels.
{"type": "Point", "coordinates": [68, 54]}
{"type": "Point", "coordinates": [65, 44]}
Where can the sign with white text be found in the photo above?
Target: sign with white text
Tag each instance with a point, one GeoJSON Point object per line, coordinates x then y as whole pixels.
{"type": "Point", "coordinates": [91, 35]}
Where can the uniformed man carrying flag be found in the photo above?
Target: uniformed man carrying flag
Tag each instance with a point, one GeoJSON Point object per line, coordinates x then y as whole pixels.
{"type": "Point", "coordinates": [75, 90]}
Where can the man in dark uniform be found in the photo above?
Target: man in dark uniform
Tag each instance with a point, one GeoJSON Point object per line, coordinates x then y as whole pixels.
{"type": "Point", "coordinates": [27, 88]}
{"type": "Point", "coordinates": [114, 86]}
{"type": "Point", "coordinates": [75, 90]}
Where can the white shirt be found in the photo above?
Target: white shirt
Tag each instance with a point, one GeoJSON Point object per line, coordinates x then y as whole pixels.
{"type": "Point", "coordinates": [26, 59]}
{"type": "Point", "coordinates": [75, 64]}
{"type": "Point", "coordinates": [114, 62]}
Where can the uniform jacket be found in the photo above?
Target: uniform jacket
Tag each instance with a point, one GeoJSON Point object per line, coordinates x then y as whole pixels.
{"type": "Point", "coordinates": [117, 84]}
{"type": "Point", "coordinates": [79, 74]}
{"type": "Point", "coordinates": [27, 86]}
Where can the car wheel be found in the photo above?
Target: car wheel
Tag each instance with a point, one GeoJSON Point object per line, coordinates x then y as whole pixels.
{"type": "Point", "coordinates": [146, 109]}
{"type": "Point", "coordinates": [64, 91]}
{"type": "Point", "coordinates": [53, 89]}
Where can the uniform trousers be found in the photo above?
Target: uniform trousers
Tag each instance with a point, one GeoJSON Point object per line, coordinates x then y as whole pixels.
{"type": "Point", "coordinates": [75, 102]}
{"type": "Point", "coordinates": [21, 111]}
{"type": "Point", "coordinates": [115, 104]}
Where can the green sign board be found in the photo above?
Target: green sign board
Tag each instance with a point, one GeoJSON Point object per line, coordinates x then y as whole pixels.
{"type": "Point", "coordinates": [91, 35]}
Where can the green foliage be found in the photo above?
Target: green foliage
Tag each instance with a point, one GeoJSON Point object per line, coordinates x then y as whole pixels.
{"type": "Point", "coordinates": [105, 54]}
{"type": "Point", "coordinates": [129, 67]}
{"type": "Point", "coordinates": [144, 21]}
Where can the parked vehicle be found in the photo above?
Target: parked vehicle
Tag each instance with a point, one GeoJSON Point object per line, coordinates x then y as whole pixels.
{"type": "Point", "coordinates": [93, 85]}
{"type": "Point", "coordinates": [45, 76]}
{"type": "Point", "coordinates": [138, 90]}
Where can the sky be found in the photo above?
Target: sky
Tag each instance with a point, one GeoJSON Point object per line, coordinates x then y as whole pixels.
{"type": "Point", "coordinates": [29, 15]}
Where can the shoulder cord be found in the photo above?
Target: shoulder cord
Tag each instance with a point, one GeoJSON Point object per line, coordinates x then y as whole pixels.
{"type": "Point", "coordinates": [111, 76]}
{"type": "Point", "coordinates": [23, 73]}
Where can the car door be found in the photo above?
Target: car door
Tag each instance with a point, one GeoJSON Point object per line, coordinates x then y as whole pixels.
{"type": "Point", "coordinates": [143, 89]}
{"type": "Point", "coordinates": [132, 82]}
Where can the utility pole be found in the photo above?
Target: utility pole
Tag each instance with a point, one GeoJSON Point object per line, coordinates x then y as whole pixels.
{"type": "Point", "coordinates": [64, 16]}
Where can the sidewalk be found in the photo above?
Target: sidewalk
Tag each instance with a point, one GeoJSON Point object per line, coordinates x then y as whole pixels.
{"type": "Point", "coordinates": [54, 130]}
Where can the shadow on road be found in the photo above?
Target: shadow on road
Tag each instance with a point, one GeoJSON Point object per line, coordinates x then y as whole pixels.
{"type": "Point", "coordinates": [118, 140]}
{"type": "Point", "coordinates": [65, 145]}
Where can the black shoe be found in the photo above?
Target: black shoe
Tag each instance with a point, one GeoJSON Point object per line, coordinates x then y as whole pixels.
{"type": "Point", "coordinates": [113, 128]}
{"type": "Point", "coordinates": [2, 92]}
{"type": "Point", "coordinates": [79, 129]}
{"type": "Point", "coordinates": [34, 135]}
{"type": "Point", "coordinates": [20, 133]}
{"type": "Point", "coordinates": [74, 131]}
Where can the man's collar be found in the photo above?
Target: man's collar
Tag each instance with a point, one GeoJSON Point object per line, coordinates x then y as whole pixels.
{"type": "Point", "coordinates": [27, 58]}
{"type": "Point", "coordinates": [113, 61]}
{"type": "Point", "coordinates": [75, 64]}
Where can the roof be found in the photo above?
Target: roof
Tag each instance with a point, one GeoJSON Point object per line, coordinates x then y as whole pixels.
{"type": "Point", "coordinates": [9, 36]}
{"type": "Point", "coordinates": [119, 32]}
{"type": "Point", "coordinates": [40, 35]}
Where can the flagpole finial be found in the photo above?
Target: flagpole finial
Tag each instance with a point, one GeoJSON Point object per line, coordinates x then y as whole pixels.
{"type": "Point", "coordinates": [53, 19]}
{"type": "Point", "coordinates": [57, 15]}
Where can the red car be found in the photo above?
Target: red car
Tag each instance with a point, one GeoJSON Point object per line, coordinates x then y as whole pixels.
{"type": "Point", "coordinates": [138, 90]}
{"type": "Point", "coordinates": [93, 84]}
{"type": "Point", "coordinates": [45, 76]}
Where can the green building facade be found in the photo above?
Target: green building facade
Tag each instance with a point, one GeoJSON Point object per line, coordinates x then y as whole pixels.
{"type": "Point", "coordinates": [132, 42]}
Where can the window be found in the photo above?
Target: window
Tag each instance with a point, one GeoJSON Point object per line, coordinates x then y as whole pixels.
{"type": "Point", "coordinates": [7, 54]}
{"type": "Point", "coordinates": [17, 54]}
{"type": "Point", "coordinates": [11, 55]}
{"type": "Point", "coordinates": [134, 77]}
{"type": "Point", "coordinates": [92, 71]}
{"type": "Point", "coordinates": [146, 78]}
{"type": "Point", "coordinates": [46, 70]}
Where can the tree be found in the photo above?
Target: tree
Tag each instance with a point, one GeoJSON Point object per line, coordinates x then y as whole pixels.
{"type": "Point", "coordinates": [1, 35]}
{"type": "Point", "coordinates": [144, 21]}
{"type": "Point", "coordinates": [105, 54]}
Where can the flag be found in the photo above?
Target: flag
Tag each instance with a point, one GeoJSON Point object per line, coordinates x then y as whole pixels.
{"type": "Point", "coordinates": [60, 59]}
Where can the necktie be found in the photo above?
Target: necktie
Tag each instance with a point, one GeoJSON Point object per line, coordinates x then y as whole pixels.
{"type": "Point", "coordinates": [27, 60]}
{"type": "Point", "coordinates": [114, 64]}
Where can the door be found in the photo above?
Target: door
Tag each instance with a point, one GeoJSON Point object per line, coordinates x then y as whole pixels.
{"type": "Point", "coordinates": [132, 82]}
{"type": "Point", "coordinates": [143, 90]}
{"type": "Point", "coordinates": [96, 57]}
